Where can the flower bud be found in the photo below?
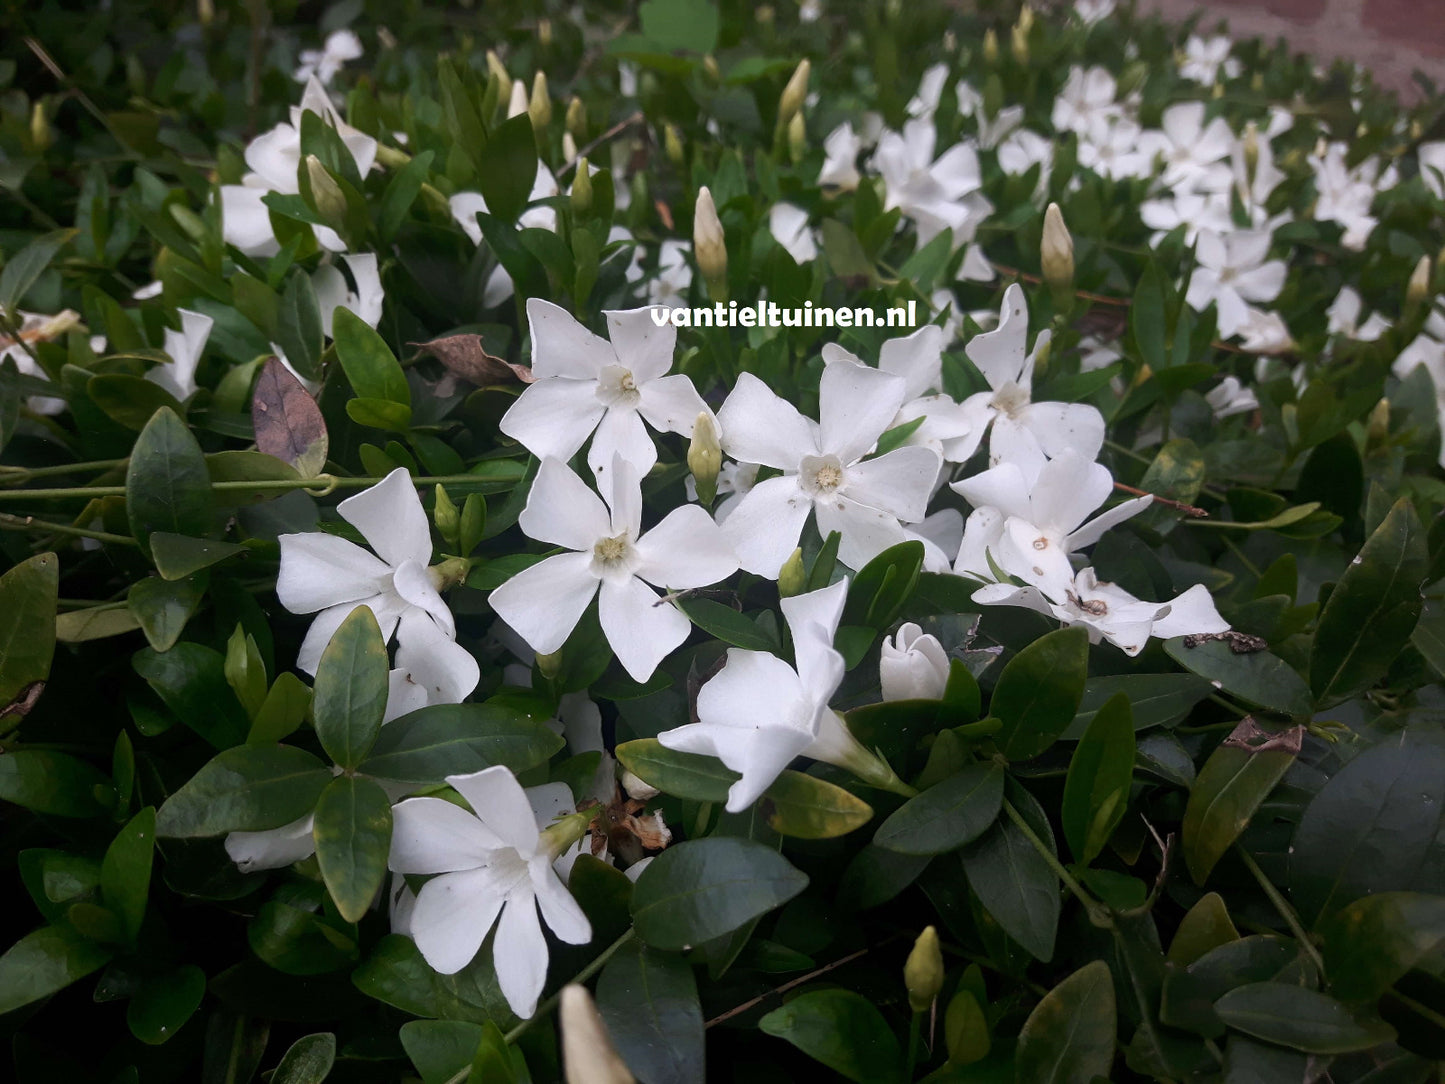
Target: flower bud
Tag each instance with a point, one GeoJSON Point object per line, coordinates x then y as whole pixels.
{"type": "Point", "coordinates": [544, 33]}
{"type": "Point", "coordinates": [710, 68]}
{"type": "Point", "coordinates": [792, 577]}
{"type": "Point", "coordinates": [205, 12]}
{"type": "Point", "coordinates": [326, 196]}
{"type": "Point", "coordinates": [446, 515]}
{"type": "Point", "coordinates": [1418, 289]}
{"type": "Point", "coordinates": [990, 47]}
{"type": "Point", "coordinates": [797, 138]}
{"type": "Point", "coordinates": [795, 93]}
{"type": "Point", "coordinates": [448, 573]}
{"type": "Point", "coordinates": [1026, 19]}
{"type": "Point", "coordinates": [709, 246]}
{"type": "Point", "coordinates": [569, 147]}
{"type": "Point", "coordinates": [637, 789]}
{"type": "Point", "coordinates": [540, 107]}
{"type": "Point", "coordinates": [1251, 154]}
{"type": "Point", "coordinates": [923, 971]}
{"type": "Point", "coordinates": [517, 105]}
{"type": "Point", "coordinates": [576, 117]}
{"type": "Point", "coordinates": [672, 144]}
{"type": "Point", "coordinates": [499, 72]}
{"type": "Point", "coordinates": [704, 458]}
{"type": "Point", "coordinates": [588, 1056]}
{"type": "Point", "coordinates": [39, 126]}
{"type": "Point", "coordinates": [1057, 251]}
{"type": "Point", "coordinates": [1377, 430]}
{"type": "Point", "coordinates": [765, 14]}
{"type": "Point", "coordinates": [913, 665]}
{"type": "Point", "coordinates": [581, 194]}
{"type": "Point", "coordinates": [1019, 35]}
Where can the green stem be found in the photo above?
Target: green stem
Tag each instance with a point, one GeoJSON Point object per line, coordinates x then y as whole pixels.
{"type": "Point", "coordinates": [1098, 913]}
{"type": "Point", "coordinates": [24, 474]}
{"type": "Point", "coordinates": [320, 486]}
{"type": "Point", "coordinates": [582, 976]}
{"type": "Point", "coordinates": [914, 1029]}
{"type": "Point", "coordinates": [29, 523]}
{"type": "Point", "coordinates": [1282, 906]}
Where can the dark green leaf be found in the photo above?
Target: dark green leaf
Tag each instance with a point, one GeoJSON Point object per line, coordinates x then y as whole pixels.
{"type": "Point", "coordinates": [1039, 691]}
{"type": "Point", "coordinates": [1156, 699]}
{"type": "Point", "coordinates": [44, 962]}
{"type": "Point", "coordinates": [1299, 1018]}
{"type": "Point", "coordinates": [27, 624]}
{"type": "Point", "coordinates": [249, 788]}
{"type": "Point", "coordinates": [1013, 881]}
{"type": "Point", "coordinates": [52, 782]}
{"type": "Point", "coordinates": [401, 193]}
{"type": "Point", "coordinates": [1256, 677]}
{"type": "Point", "coordinates": [353, 838]}
{"type": "Point", "coordinates": [167, 487]}
{"type": "Point", "coordinates": [511, 168]}
{"type": "Point", "coordinates": [727, 624]}
{"type": "Point", "coordinates": [349, 696]}
{"type": "Point", "coordinates": [1371, 943]}
{"type": "Point", "coordinates": [648, 1000]}
{"type": "Point", "coordinates": [426, 745]}
{"type": "Point", "coordinates": [177, 556]}
{"type": "Point", "coordinates": [308, 1061]}
{"type": "Point", "coordinates": [686, 775]}
{"type": "Point", "coordinates": [440, 1048]}
{"type": "Point", "coordinates": [24, 267]}
{"type": "Point", "coordinates": [369, 363]}
{"type": "Point", "coordinates": [191, 679]}
{"type": "Point", "coordinates": [947, 815]}
{"type": "Point", "coordinates": [162, 607]}
{"type": "Point", "coordinates": [125, 874]}
{"type": "Point", "coordinates": [689, 25]}
{"type": "Point", "coordinates": [1096, 792]}
{"type": "Point", "coordinates": [164, 1003]}
{"type": "Point", "coordinates": [841, 1029]}
{"type": "Point", "coordinates": [298, 326]}
{"type": "Point", "coordinates": [1069, 1037]}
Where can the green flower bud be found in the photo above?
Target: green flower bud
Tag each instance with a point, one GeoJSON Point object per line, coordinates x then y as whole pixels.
{"type": "Point", "coordinates": [581, 194]}
{"type": "Point", "coordinates": [990, 47]}
{"type": "Point", "coordinates": [795, 93]}
{"type": "Point", "coordinates": [709, 246]}
{"type": "Point", "coordinates": [797, 138]}
{"type": "Point", "coordinates": [540, 105]}
{"type": "Point", "coordinates": [576, 117]}
{"type": "Point", "coordinates": [923, 971]}
{"type": "Point", "coordinates": [672, 144]}
{"type": "Point", "coordinates": [704, 458]}
{"type": "Point", "coordinates": [446, 516]}
{"type": "Point", "coordinates": [1417, 291]}
{"type": "Point", "coordinates": [326, 196]}
{"type": "Point", "coordinates": [1057, 251]}
{"type": "Point", "coordinates": [793, 577]}
{"type": "Point", "coordinates": [499, 73]}
{"type": "Point", "coordinates": [39, 126]}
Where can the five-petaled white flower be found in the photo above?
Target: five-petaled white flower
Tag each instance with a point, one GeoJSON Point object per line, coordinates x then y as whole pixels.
{"type": "Point", "coordinates": [185, 348]}
{"type": "Point", "coordinates": [823, 468]}
{"type": "Point", "coordinates": [935, 195]}
{"type": "Point", "coordinates": [1234, 269]}
{"type": "Point", "coordinates": [493, 861]}
{"type": "Point", "coordinates": [323, 64]}
{"type": "Point", "coordinates": [583, 382]}
{"type": "Point", "coordinates": [320, 572]}
{"type": "Point", "coordinates": [611, 558]}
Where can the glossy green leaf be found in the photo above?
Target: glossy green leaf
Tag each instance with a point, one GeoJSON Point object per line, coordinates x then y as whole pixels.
{"type": "Point", "coordinates": [44, 962]}
{"type": "Point", "coordinates": [843, 1030]}
{"type": "Point", "coordinates": [1372, 611]}
{"type": "Point", "coordinates": [163, 607]}
{"type": "Point", "coordinates": [27, 624]}
{"type": "Point", "coordinates": [370, 365]}
{"type": "Point", "coordinates": [353, 838]}
{"type": "Point", "coordinates": [727, 624]}
{"type": "Point", "coordinates": [686, 775]}
{"type": "Point", "coordinates": [164, 1003]}
{"type": "Point", "coordinates": [1013, 881]}
{"type": "Point", "coordinates": [245, 672]}
{"type": "Point", "coordinates": [298, 325]}
{"type": "Point", "coordinates": [191, 679]}
{"type": "Point", "coordinates": [248, 788]}
{"type": "Point", "coordinates": [1156, 699]}
{"type": "Point", "coordinates": [426, 745]}
{"type": "Point", "coordinates": [1096, 792]}
{"type": "Point", "coordinates": [307, 1061]}
{"type": "Point", "coordinates": [1187, 995]}
{"type": "Point", "coordinates": [511, 160]}
{"type": "Point", "coordinates": [125, 874]}
{"type": "Point", "coordinates": [379, 413]}
{"type": "Point", "coordinates": [167, 486]}
{"type": "Point", "coordinates": [440, 1048]}
{"type": "Point", "coordinates": [1039, 691]}
{"type": "Point", "coordinates": [947, 815]}
{"type": "Point", "coordinates": [876, 875]}
{"type": "Point", "coordinates": [879, 591]}
{"type": "Point", "coordinates": [129, 400]}
{"type": "Point", "coordinates": [1371, 943]}
{"type": "Point", "coordinates": [806, 807]}
{"type": "Point", "coordinates": [177, 556]}
{"type": "Point", "coordinates": [705, 888]}
{"type": "Point", "coordinates": [1177, 473]}
{"type": "Point", "coordinates": [1256, 677]}
{"type": "Point", "coordinates": [1069, 1037]}
{"type": "Point", "coordinates": [1204, 927]}
{"type": "Point", "coordinates": [1299, 1018]}
{"type": "Point", "coordinates": [283, 710]}
{"type": "Point", "coordinates": [648, 1000]}
{"type": "Point", "coordinates": [52, 782]}
{"type": "Point", "coordinates": [965, 1029]}
{"type": "Point", "coordinates": [349, 695]}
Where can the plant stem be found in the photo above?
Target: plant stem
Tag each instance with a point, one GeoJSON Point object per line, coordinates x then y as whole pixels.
{"type": "Point", "coordinates": [24, 474]}
{"type": "Point", "coordinates": [914, 1029]}
{"type": "Point", "coordinates": [319, 486]}
{"type": "Point", "coordinates": [1098, 914]}
{"type": "Point", "coordinates": [30, 523]}
{"type": "Point", "coordinates": [1282, 906]}
{"type": "Point", "coordinates": [582, 976]}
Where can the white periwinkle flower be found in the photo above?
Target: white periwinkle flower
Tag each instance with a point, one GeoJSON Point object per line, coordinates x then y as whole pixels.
{"type": "Point", "coordinates": [37, 328]}
{"type": "Point", "coordinates": [1230, 398]}
{"type": "Point", "coordinates": [1205, 58]}
{"type": "Point", "coordinates": [491, 862]}
{"type": "Point", "coordinates": [324, 63]}
{"type": "Point", "coordinates": [320, 572]}
{"type": "Point", "coordinates": [1234, 269]}
{"type": "Point", "coordinates": [1344, 313]}
{"type": "Point", "coordinates": [465, 205]}
{"type": "Point", "coordinates": [788, 224]}
{"type": "Point", "coordinates": [610, 554]}
{"type": "Point", "coordinates": [583, 382]}
{"type": "Point", "coordinates": [936, 195]}
{"type": "Point", "coordinates": [840, 158]}
{"type": "Point", "coordinates": [823, 468]}
{"type": "Point", "coordinates": [674, 275]}
{"type": "Point", "coordinates": [912, 665]}
{"type": "Point", "coordinates": [185, 348]}
{"type": "Point", "coordinates": [1086, 101]}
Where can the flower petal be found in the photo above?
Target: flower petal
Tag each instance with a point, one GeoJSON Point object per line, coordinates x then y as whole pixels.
{"type": "Point", "coordinates": [273, 849]}
{"type": "Point", "coordinates": [559, 910]}
{"type": "Point", "coordinates": [1060, 427]}
{"type": "Point", "coordinates": [898, 482]}
{"type": "Point", "coordinates": [671, 404]}
{"type": "Point", "coordinates": [759, 752]}
{"type": "Point", "coordinates": [620, 433]}
{"type": "Point", "coordinates": [687, 549]}
{"type": "Point", "coordinates": [641, 631]}
{"type": "Point", "coordinates": [519, 953]}
{"type": "Point", "coordinates": [543, 603]}
{"type": "Point", "coordinates": [320, 570]}
{"type": "Point", "coordinates": [452, 915]}
{"type": "Point", "coordinates": [1192, 612]}
{"type": "Point", "coordinates": [813, 620]}
{"type": "Point", "coordinates": [561, 509]}
{"type": "Point", "coordinates": [764, 526]}
{"type": "Point", "coordinates": [432, 660]}
{"type": "Point", "coordinates": [1068, 488]}
{"type": "Point", "coordinates": [917, 358]}
{"type": "Point", "coordinates": [1092, 531]}
{"type": "Point", "coordinates": [563, 347]}
{"type": "Point", "coordinates": [759, 426]}
{"type": "Point", "coordinates": [386, 607]}
{"type": "Point", "coordinates": [246, 221]}
{"type": "Point", "coordinates": [501, 805]}
{"type": "Point", "coordinates": [390, 517]}
{"type": "Point", "coordinates": [431, 835]}
{"type": "Point", "coordinates": [866, 532]}
{"type": "Point", "coordinates": [414, 587]}
{"type": "Point", "coordinates": [855, 405]}
{"type": "Point", "coordinates": [554, 416]}
{"type": "Point", "coordinates": [641, 346]}
{"type": "Point", "coordinates": [999, 354]}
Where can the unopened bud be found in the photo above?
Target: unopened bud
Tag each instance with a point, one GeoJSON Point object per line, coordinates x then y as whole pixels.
{"type": "Point", "coordinates": [709, 246]}
{"type": "Point", "coordinates": [704, 458]}
{"type": "Point", "coordinates": [544, 32]}
{"type": "Point", "coordinates": [588, 1056]}
{"type": "Point", "coordinates": [1057, 251]}
{"type": "Point", "coordinates": [1251, 153]}
{"type": "Point", "coordinates": [710, 68]}
{"type": "Point", "coordinates": [792, 577]}
{"type": "Point", "coordinates": [576, 117]}
{"type": "Point", "coordinates": [923, 971]}
{"type": "Point", "coordinates": [1378, 428]}
{"type": "Point", "coordinates": [1026, 18]}
{"type": "Point", "coordinates": [326, 197]}
{"type": "Point", "coordinates": [517, 105]}
{"type": "Point", "coordinates": [950, 42]}
{"type": "Point", "coordinates": [795, 93]}
{"type": "Point", "coordinates": [540, 107]}
{"type": "Point", "coordinates": [1256, 81]}
{"type": "Point", "coordinates": [446, 515]}
{"type": "Point", "coordinates": [797, 138]}
{"type": "Point", "coordinates": [672, 144]}
{"type": "Point", "coordinates": [499, 72]}
{"type": "Point", "coordinates": [990, 47]}
{"type": "Point", "coordinates": [39, 126]}
{"type": "Point", "coordinates": [205, 12]}
{"type": "Point", "coordinates": [1019, 39]}
{"type": "Point", "coordinates": [562, 834]}
{"type": "Point", "coordinates": [1418, 289]}
{"type": "Point", "coordinates": [581, 194]}
{"type": "Point", "coordinates": [447, 574]}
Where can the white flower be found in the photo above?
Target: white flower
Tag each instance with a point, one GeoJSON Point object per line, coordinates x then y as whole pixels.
{"type": "Point", "coordinates": [1194, 153]}
{"type": "Point", "coordinates": [912, 665]}
{"type": "Point", "coordinates": [465, 205]}
{"type": "Point", "coordinates": [1030, 515]}
{"type": "Point", "coordinates": [1255, 185]}
{"type": "Point", "coordinates": [788, 224]}
{"type": "Point", "coordinates": [840, 156]}
{"type": "Point", "coordinates": [1109, 612]}
{"type": "Point", "coordinates": [492, 861]}
{"type": "Point", "coordinates": [1346, 194]}
{"type": "Point", "coordinates": [321, 572]}
{"type": "Point", "coordinates": [148, 291]}
{"type": "Point", "coordinates": [1432, 167]}
{"type": "Point", "coordinates": [930, 92]}
{"type": "Point", "coordinates": [185, 348]}
{"type": "Point", "coordinates": [1205, 57]}
{"type": "Point", "coordinates": [1234, 269]}
{"type": "Point", "coordinates": [324, 63]}
{"type": "Point", "coordinates": [274, 848]}
{"type": "Point", "coordinates": [1344, 314]}
{"type": "Point", "coordinates": [823, 468]}
{"type": "Point", "coordinates": [1193, 210]}
{"type": "Point", "coordinates": [1003, 359]}
{"type": "Point", "coordinates": [274, 157]}
{"type": "Point", "coordinates": [1230, 398]}
{"type": "Point", "coordinates": [1113, 150]}
{"type": "Point", "coordinates": [543, 603]}
{"type": "Point", "coordinates": [674, 275]}
{"type": "Point", "coordinates": [1265, 333]}
{"type": "Point", "coordinates": [1086, 101]}
{"type": "Point", "coordinates": [333, 292]}
{"type": "Point", "coordinates": [584, 383]}
{"type": "Point", "coordinates": [936, 195]}
{"type": "Point", "coordinates": [1093, 11]}
{"type": "Point", "coordinates": [1024, 149]}
{"type": "Point", "coordinates": [37, 328]}
{"type": "Point", "coordinates": [759, 713]}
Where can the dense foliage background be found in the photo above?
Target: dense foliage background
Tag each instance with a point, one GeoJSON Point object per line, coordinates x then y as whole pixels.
{"type": "Point", "coordinates": [1211, 859]}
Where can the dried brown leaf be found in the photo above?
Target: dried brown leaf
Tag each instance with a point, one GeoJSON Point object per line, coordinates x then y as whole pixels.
{"type": "Point", "coordinates": [287, 420]}
{"type": "Point", "coordinates": [466, 357]}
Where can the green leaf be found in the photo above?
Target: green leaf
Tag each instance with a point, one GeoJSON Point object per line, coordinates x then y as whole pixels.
{"type": "Point", "coordinates": [876, 875]}
{"type": "Point", "coordinates": [125, 874]}
{"type": "Point", "coordinates": [1039, 692]}
{"type": "Point", "coordinates": [308, 1060]}
{"type": "Point", "coordinates": [164, 1003]}
{"type": "Point", "coordinates": [349, 696]}
{"type": "Point", "coordinates": [298, 326]}
{"type": "Point", "coordinates": [22, 269]}
{"type": "Point", "coordinates": [1013, 881]}
{"type": "Point", "coordinates": [1177, 474]}
{"type": "Point", "coordinates": [1148, 320]}
{"type": "Point", "coordinates": [947, 815]}
{"type": "Point", "coordinates": [805, 807]}
{"type": "Point", "coordinates": [1096, 792]}
{"type": "Point", "coordinates": [1069, 1037]}
{"type": "Point", "coordinates": [648, 1000]}
{"type": "Point", "coordinates": [283, 710]}
{"type": "Point", "coordinates": [1373, 942]}
{"type": "Point", "coordinates": [1234, 782]}
{"type": "Point", "coordinates": [95, 623]}
{"type": "Point", "coordinates": [686, 25]}
{"type": "Point", "coordinates": [248, 788]}
{"type": "Point", "coordinates": [511, 160]}
{"type": "Point", "coordinates": [245, 672]}
{"type": "Point", "coordinates": [883, 586]}
{"type": "Point", "coordinates": [44, 962]}
{"type": "Point", "coordinates": [379, 413]}
{"type": "Point", "coordinates": [177, 556]}
{"type": "Point", "coordinates": [369, 363]}
{"type": "Point", "coordinates": [1258, 677]}
{"type": "Point", "coordinates": [426, 745]}
{"type": "Point", "coordinates": [1204, 927]}
{"type": "Point", "coordinates": [162, 607]}
{"type": "Point", "coordinates": [685, 775]}
{"type": "Point", "coordinates": [1372, 611]}
{"type": "Point", "coordinates": [130, 400]}
{"type": "Point", "coordinates": [440, 1048]}
{"type": "Point", "coordinates": [295, 934]}
{"type": "Point", "coordinates": [841, 1029]}
{"type": "Point", "coordinates": [191, 679]}
{"type": "Point", "coordinates": [27, 624]}
{"type": "Point", "coordinates": [353, 837]}
{"type": "Point", "coordinates": [1187, 995]}
{"type": "Point", "coordinates": [167, 487]}
{"type": "Point", "coordinates": [727, 624]}
{"type": "Point", "coordinates": [401, 193]}
{"type": "Point", "coordinates": [1367, 829]}
{"type": "Point", "coordinates": [705, 888]}
{"type": "Point", "coordinates": [965, 1028]}
{"type": "Point", "coordinates": [1156, 699]}
{"type": "Point", "coordinates": [1299, 1018]}
{"type": "Point", "coordinates": [52, 782]}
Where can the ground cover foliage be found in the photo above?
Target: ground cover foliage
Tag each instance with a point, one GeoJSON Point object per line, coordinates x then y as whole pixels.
{"type": "Point", "coordinates": [399, 624]}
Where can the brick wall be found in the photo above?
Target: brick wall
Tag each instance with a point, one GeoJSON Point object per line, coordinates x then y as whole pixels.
{"type": "Point", "coordinates": [1391, 38]}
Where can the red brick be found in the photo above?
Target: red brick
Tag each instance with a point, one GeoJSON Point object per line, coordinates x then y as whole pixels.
{"type": "Point", "coordinates": [1418, 23]}
{"type": "Point", "coordinates": [1300, 11]}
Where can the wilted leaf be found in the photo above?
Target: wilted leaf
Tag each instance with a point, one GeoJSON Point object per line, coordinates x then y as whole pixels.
{"type": "Point", "coordinates": [287, 420]}
{"type": "Point", "coordinates": [466, 357]}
